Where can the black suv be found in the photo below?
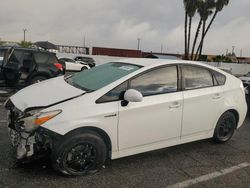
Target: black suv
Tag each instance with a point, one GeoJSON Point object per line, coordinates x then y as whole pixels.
{"type": "Point", "coordinates": [88, 60]}
{"type": "Point", "coordinates": [20, 67]}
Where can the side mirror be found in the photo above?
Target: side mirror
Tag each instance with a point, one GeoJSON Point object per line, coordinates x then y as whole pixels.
{"type": "Point", "coordinates": [132, 95]}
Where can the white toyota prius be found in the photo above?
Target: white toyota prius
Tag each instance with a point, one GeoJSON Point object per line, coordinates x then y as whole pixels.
{"type": "Point", "coordinates": [123, 108]}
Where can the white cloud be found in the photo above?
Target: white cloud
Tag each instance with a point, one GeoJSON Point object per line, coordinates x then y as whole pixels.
{"type": "Point", "coordinates": [115, 23]}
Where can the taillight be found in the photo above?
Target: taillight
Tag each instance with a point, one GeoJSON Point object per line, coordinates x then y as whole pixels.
{"type": "Point", "coordinates": [59, 66]}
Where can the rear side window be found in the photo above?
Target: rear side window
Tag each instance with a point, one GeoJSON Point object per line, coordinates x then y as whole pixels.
{"type": "Point", "coordinates": [41, 57]}
{"type": "Point", "coordinates": [159, 81]}
{"type": "Point", "coordinates": [196, 77]}
{"type": "Point", "coordinates": [52, 59]}
{"type": "Point", "coordinates": [220, 78]}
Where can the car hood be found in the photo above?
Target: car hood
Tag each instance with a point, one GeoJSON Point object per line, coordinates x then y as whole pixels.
{"type": "Point", "coordinates": [45, 93]}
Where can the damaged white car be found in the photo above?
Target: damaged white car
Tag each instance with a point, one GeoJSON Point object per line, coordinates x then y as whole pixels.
{"type": "Point", "coordinates": [123, 108]}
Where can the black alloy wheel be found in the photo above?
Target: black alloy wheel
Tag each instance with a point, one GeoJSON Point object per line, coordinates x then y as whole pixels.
{"type": "Point", "coordinates": [79, 154]}
{"type": "Point", "coordinates": [225, 128]}
{"type": "Point", "coordinates": [80, 158]}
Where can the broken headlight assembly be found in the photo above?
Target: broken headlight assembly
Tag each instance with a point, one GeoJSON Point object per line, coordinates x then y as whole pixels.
{"type": "Point", "coordinates": [31, 123]}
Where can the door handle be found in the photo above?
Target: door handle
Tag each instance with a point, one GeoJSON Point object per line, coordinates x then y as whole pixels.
{"type": "Point", "coordinates": [217, 96]}
{"type": "Point", "coordinates": [175, 105]}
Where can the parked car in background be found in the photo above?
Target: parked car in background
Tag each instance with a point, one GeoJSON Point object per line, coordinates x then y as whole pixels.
{"type": "Point", "coordinates": [123, 108]}
{"type": "Point", "coordinates": [226, 69]}
{"type": "Point", "coordinates": [88, 60]}
{"type": "Point", "coordinates": [72, 65]}
{"type": "Point", "coordinates": [24, 66]}
{"type": "Point", "coordinates": [245, 79]}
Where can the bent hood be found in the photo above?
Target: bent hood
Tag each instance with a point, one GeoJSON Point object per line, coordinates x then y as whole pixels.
{"type": "Point", "coordinates": [45, 93]}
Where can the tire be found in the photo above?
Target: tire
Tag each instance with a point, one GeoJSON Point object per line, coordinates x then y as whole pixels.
{"type": "Point", "coordinates": [84, 68]}
{"type": "Point", "coordinates": [79, 154]}
{"type": "Point", "coordinates": [225, 128]}
{"type": "Point", "coordinates": [37, 79]}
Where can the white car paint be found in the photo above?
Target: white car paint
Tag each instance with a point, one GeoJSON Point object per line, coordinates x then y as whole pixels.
{"type": "Point", "coordinates": [76, 66]}
{"type": "Point", "coordinates": [158, 121]}
{"type": "Point", "coordinates": [72, 65]}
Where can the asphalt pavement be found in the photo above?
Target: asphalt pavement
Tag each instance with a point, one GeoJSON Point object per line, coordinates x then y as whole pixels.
{"type": "Point", "coordinates": [197, 164]}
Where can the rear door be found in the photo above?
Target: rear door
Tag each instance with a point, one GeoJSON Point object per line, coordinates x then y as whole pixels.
{"type": "Point", "coordinates": [12, 66]}
{"type": "Point", "coordinates": [203, 98]}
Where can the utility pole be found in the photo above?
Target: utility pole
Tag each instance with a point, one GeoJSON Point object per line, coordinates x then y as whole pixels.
{"type": "Point", "coordinates": [161, 48]}
{"type": "Point", "coordinates": [24, 34]}
{"type": "Point", "coordinates": [84, 40]}
{"type": "Point", "coordinates": [139, 41]}
{"type": "Point", "coordinates": [233, 47]}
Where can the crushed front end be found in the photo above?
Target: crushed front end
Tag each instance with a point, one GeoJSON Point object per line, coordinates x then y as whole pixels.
{"type": "Point", "coordinates": [29, 140]}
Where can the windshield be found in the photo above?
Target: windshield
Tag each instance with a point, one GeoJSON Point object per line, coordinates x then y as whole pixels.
{"type": "Point", "coordinates": [102, 75]}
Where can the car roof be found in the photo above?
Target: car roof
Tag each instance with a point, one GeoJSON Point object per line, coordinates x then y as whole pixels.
{"type": "Point", "coordinates": [146, 62]}
{"type": "Point", "coordinates": [25, 49]}
{"type": "Point", "coordinates": [156, 62]}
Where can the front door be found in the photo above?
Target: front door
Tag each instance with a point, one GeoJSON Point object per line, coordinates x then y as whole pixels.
{"type": "Point", "coordinates": [158, 117]}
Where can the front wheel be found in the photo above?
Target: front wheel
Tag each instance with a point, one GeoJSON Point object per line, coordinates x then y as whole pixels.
{"type": "Point", "coordinates": [79, 154]}
{"type": "Point", "coordinates": [225, 128]}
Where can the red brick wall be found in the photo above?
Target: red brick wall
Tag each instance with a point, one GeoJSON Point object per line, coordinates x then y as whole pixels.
{"type": "Point", "coordinates": [116, 52]}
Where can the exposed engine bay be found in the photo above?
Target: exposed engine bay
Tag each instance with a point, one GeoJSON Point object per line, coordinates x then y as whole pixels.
{"type": "Point", "coordinates": [29, 142]}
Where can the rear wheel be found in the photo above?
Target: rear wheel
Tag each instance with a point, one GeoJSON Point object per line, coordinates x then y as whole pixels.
{"type": "Point", "coordinates": [225, 128]}
{"type": "Point", "coordinates": [79, 154]}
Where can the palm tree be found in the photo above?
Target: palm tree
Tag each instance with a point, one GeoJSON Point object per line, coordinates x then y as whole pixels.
{"type": "Point", "coordinates": [199, 6]}
{"type": "Point", "coordinates": [205, 10]}
{"type": "Point", "coordinates": [185, 31]}
{"type": "Point", "coordinates": [219, 5]}
{"type": "Point", "coordinates": [190, 10]}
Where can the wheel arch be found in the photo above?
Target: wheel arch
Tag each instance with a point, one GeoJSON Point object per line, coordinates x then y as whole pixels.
{"type": "Point", "coordinates": [97, 131]}
{"type": "Point", "coordinates": [236, 115]}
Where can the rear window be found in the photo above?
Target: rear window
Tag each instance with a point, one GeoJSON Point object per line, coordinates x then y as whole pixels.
{"type": "Point", "coordinates": [102, 75]}
{"type": "Point", "coordinates": [220, 78]}
{"type": "Point", "coordinates": [41, 57]}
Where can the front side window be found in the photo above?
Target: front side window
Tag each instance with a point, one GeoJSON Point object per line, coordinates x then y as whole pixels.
{"type": "Point", "coordinates": [115, 94]}
{"type": "Point", "coordinates": [159, 81]}
{"type": "Point", "coordinates": [196, 77]}
{"type": "Point", "coordinates": [102, 75]}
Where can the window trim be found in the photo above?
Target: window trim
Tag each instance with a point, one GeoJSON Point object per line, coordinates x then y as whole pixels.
{"type": "Point", "coordinates": [178, 71]}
